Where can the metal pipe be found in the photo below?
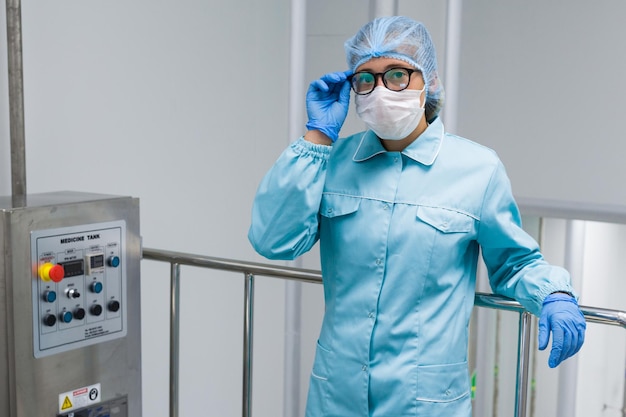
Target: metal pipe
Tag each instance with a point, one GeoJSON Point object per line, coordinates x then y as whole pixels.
{"type": "Point", "coordinates": [292, 345]}
{"type": "Point", "coordinates": [496, 360]}
{"type": "Point", "coordinates": [604, 316]}
{"type": "Point", "coordinates": [484, 353]}
{"type": "Point", "coordinates": [293, 290]}
{"type": "Point", "coordinates": [16, 102]}
{"type": "Point", "coordinates": [380, 8]}
{"type": "Point", "coordinates": [535, 329]}
{"type": "Point", "coordinates": [592, 314]}
{"type": "Point", "coordinates": [624, 399]}
{"type": "Point", "coordinates": [248, 330]}
{"type": "Point", "coordinates": [297, 68]}
{"type": "Point", "coordinates": [452, 63]}
{"type": "Point", "coordinates": [523, 356]}
{"type": "Point", "coordinates": [259, 269]}
{"type": "Point", "coordinates": [568, 370]}
{"type": "Point", "coordinates": [174, 337]}
{"type": "Point", "coordinates": [498, 302]}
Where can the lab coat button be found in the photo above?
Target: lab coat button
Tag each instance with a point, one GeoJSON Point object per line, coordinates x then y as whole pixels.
{"type": "Point", "coordinates": [379, 261]}
{"type": "Point", "coordinates": [370, 315]}
{"type": "Point", "coordinates": [364, 368]}
{"type": "Point", "coordinates": [448, 392]}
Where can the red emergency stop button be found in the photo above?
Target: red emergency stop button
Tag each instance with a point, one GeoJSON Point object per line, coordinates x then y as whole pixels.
{"type": "Point", "coordinates": [51, 272]}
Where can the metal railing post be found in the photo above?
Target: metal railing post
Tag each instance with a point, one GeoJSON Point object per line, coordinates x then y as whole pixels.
{"type": "Point", "coordinates": [16, 101]}
{"type": "Point", "coordinates": [174, 337]}
{"type": "Point", "coordinates": [248, 321]}
{"type": "Point", "coordinates": [523, 356]}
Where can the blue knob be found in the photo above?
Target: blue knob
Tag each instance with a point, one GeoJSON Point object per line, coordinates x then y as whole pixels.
{"type": "Point", "coordinates": [96, 287]}
{"type": "Point", "coordinates": [66, 316]}
{"type": "Point", "coordinates": [50, 296]}
{"type": "Point", "coordinates": [114, 261]}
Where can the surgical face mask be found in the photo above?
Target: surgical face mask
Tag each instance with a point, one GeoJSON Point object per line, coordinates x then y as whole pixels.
{"type": "Point", "coordinates": [390, 114]}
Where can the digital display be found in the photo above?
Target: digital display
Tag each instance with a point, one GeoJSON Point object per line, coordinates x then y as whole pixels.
{"type": "Point", "coordinates": [96, 261]}
{"type": "Point", "coordinates": [73, 268]}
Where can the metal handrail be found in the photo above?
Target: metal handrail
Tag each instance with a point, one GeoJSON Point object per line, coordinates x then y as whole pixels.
{"type": "Point", "coordinates": [252, 269]}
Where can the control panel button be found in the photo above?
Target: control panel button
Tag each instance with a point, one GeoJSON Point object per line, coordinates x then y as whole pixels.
{"type": "Point", "coordinates": [72, 293]}
{"type": "Point", "coordinates": [50, 296]}
{"type": "Point", "coordinates": [51, 272]}
{"type": "Point", "coordinates": [96, 309]}
{"type": "Point", "coordinates": [66, 317]}
{"type": "Point", "coordinates": [114, 306]}
{"type": "Point", "coordinates": [49, 320]}
{"type": "Point", "coordinates": [96, 287]}
{"type": "Point", "coordinates": [114, 261]}
{"type": "Point", "coordinates": [79, 313]}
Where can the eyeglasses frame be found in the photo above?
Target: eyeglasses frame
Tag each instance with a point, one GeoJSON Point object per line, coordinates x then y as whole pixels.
{"type": "Point", "coordinates": [381, 74]}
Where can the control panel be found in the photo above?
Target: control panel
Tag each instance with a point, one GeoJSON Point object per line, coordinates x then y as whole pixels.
{"type": "Point", "coordinates": [78, 286]}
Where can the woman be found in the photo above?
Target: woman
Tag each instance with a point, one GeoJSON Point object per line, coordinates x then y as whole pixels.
{"type": "Point", "coordinates": [401, 211]}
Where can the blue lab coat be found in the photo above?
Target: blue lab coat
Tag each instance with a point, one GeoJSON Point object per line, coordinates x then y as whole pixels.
{"type": "Point", "coordinates": [399, 240]}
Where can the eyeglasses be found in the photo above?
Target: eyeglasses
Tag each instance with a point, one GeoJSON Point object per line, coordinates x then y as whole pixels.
{"type": "Point", "coordinates": [395, 79]}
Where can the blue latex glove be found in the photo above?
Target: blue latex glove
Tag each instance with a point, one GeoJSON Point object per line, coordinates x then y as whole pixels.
{"type": "Point", "coordinates": [561, 316]}
{"type": "Point", "coordinates": [327, 103]}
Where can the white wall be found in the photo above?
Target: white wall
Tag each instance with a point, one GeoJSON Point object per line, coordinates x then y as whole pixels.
{"type": "Point", "coordinates": [603, 358]}
{"type": "Point", "coordinates": [542, 83]}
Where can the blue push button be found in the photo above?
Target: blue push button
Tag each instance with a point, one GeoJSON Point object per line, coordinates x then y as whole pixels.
{"type": "Point", "coordinates": [50, 296]}
{"type": "Point", "coordinates": [96, 287]}
{"type": "Point", "coordinates": [66, 317]}
{"type": "Point", "coordinates": [114, 261]}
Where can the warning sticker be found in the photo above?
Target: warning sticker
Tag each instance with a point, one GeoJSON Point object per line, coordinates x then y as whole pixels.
{"type": "Point", "coordinates": [67, 404]}
{"type": "Point", "coordinates": [79, 398]}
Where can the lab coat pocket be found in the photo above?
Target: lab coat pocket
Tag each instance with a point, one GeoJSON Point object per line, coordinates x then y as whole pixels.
{"type": "Point", "coordinates": [321, 363]}
{"type": "Point", "coordinates": [446, 220]}
{"type": "Point", "coordinates": [320, 393]}
{"type": "Point", "coordinates": [443, 390]}
{"type": "Point", "coordinates": [335, 205]}
{"type": "Point", "coordinates": [340, 223]}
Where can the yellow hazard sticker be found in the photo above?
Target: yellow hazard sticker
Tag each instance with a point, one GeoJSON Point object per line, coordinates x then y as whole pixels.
{"type": "Point", "coordinates": [66, 404]}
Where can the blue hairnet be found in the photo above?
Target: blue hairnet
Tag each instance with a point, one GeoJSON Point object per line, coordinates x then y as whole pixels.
{"type": "Point", "coordinates": [401, 38]}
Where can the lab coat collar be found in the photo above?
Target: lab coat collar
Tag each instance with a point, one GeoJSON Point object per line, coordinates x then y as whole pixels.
{"type": "Point", "coordinates": [423, 150]}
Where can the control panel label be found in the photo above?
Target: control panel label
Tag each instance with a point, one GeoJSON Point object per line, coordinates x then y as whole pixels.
{"type": "Point", "coordinates": [79, 398]}
{"type": "Point", "coordinates": [78, 286]}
